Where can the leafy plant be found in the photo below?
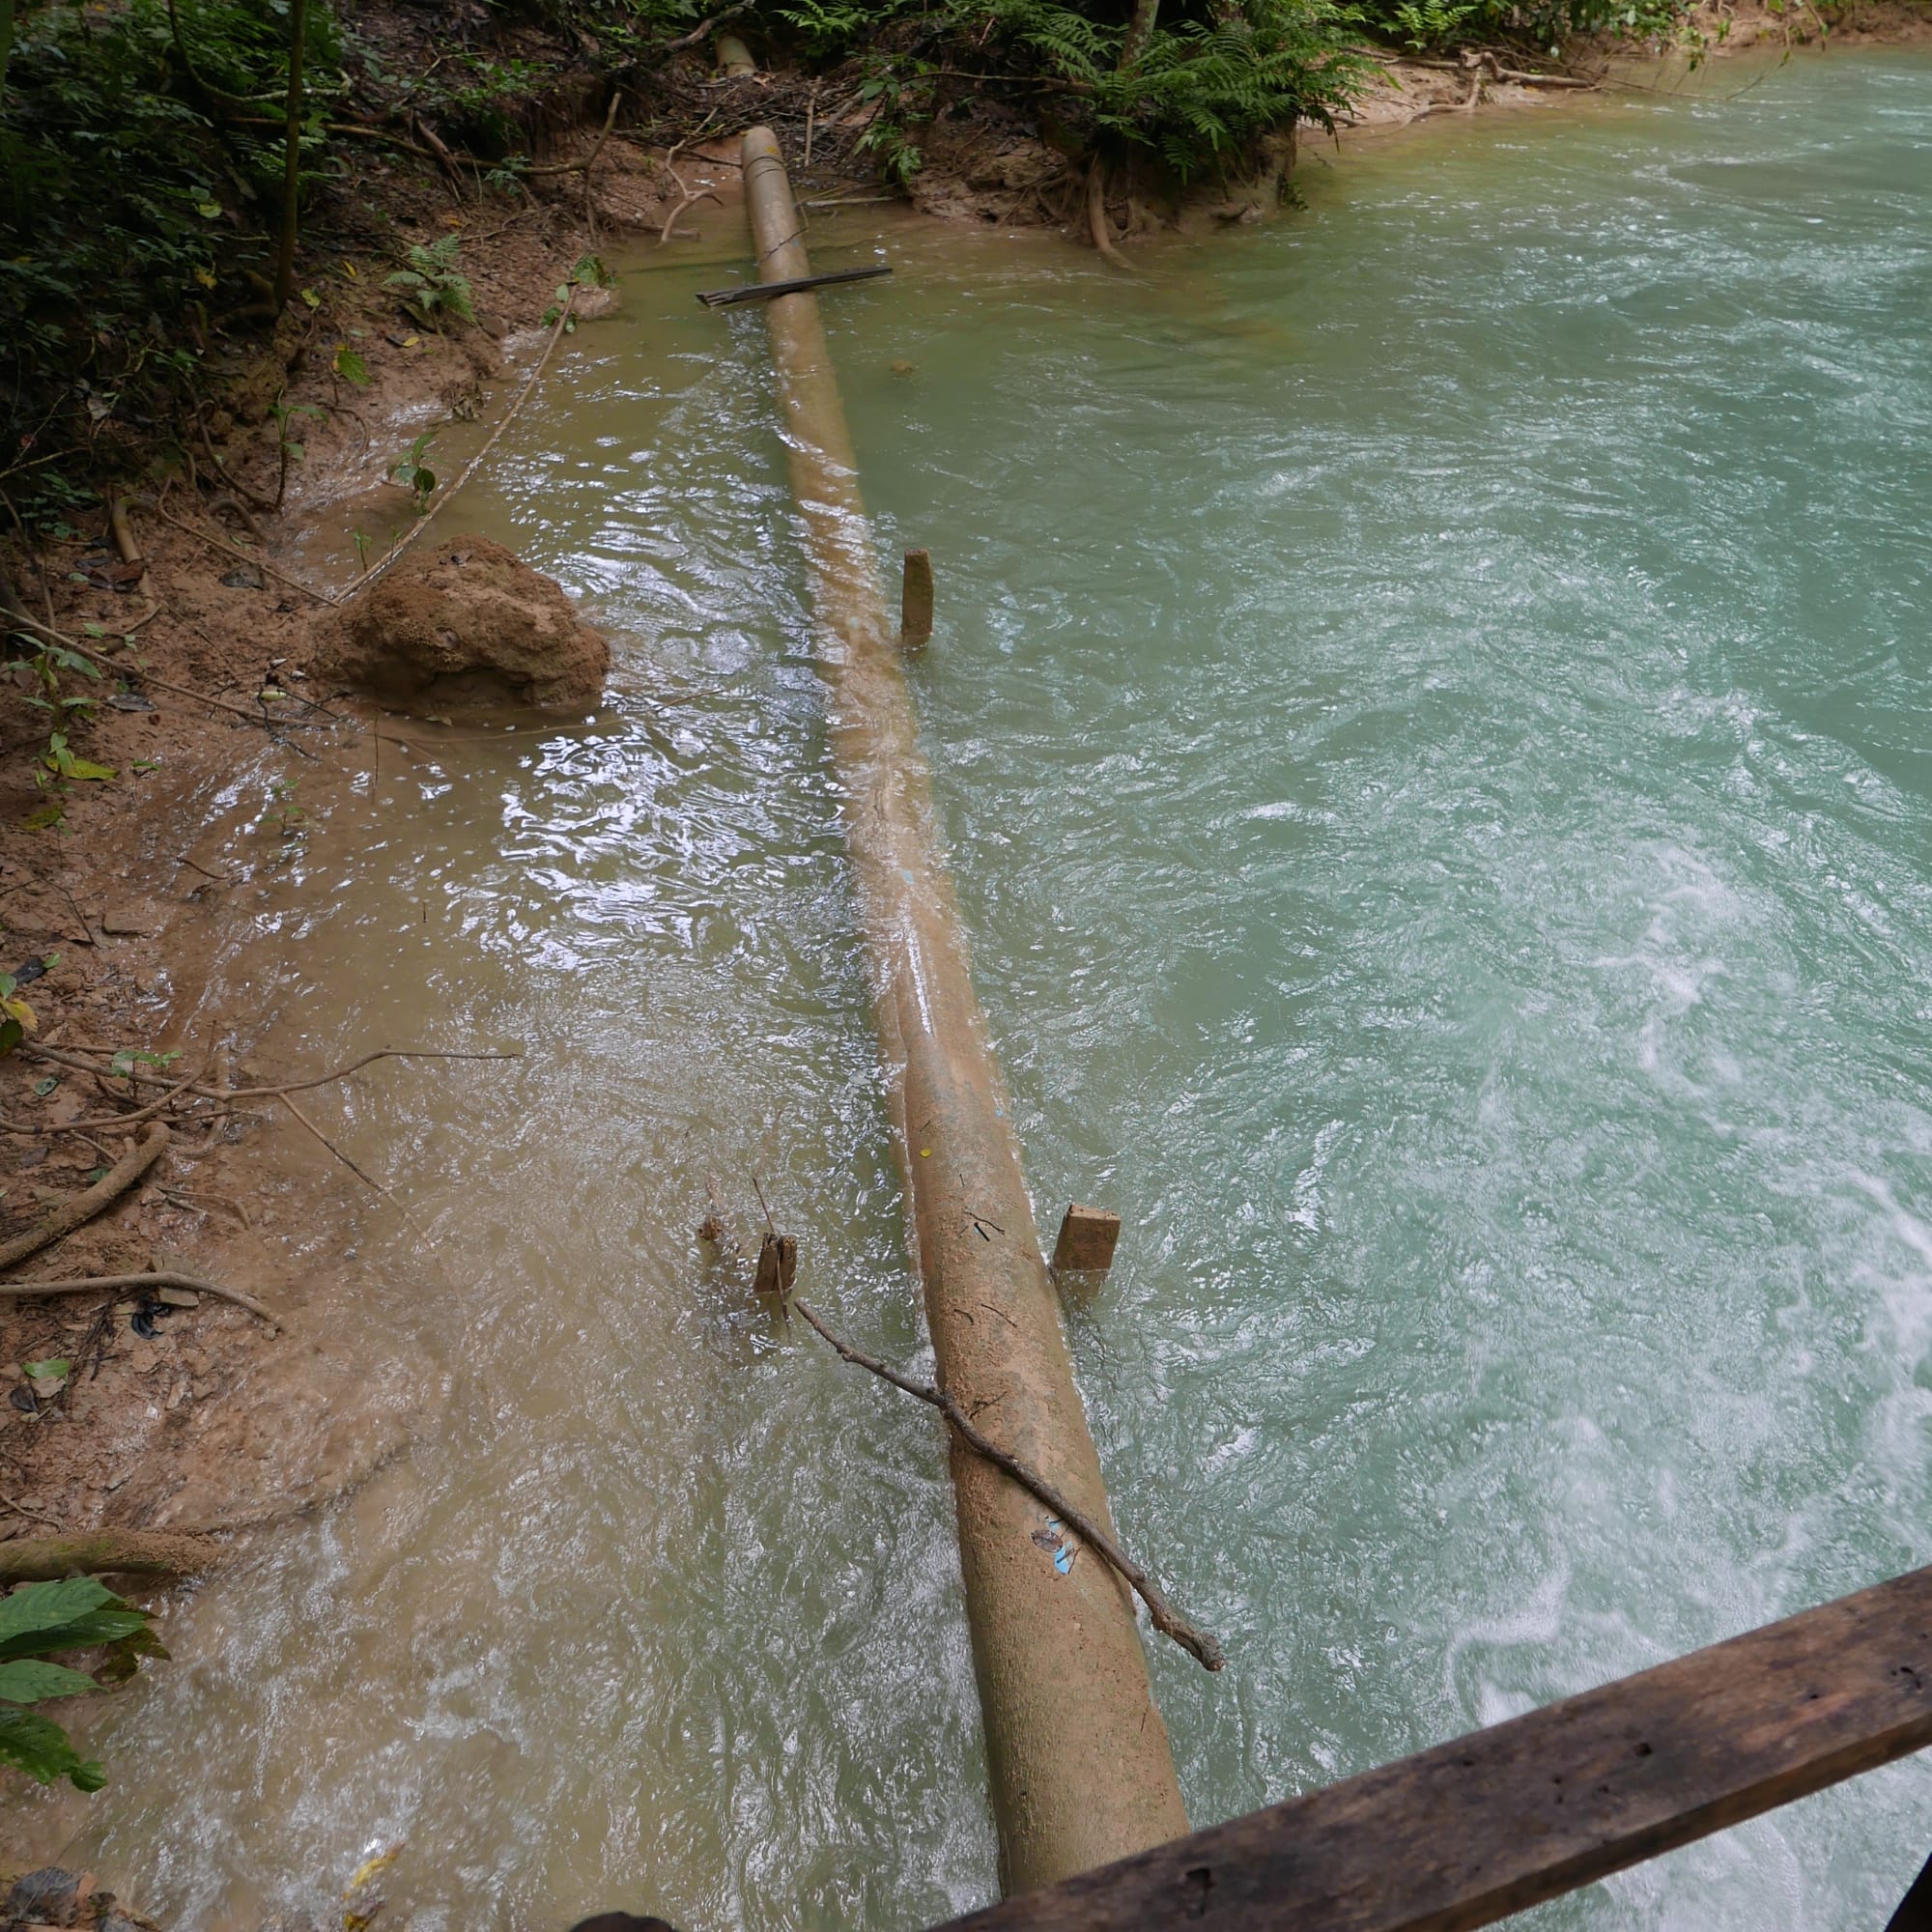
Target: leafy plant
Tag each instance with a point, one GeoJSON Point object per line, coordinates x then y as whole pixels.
{"type": "Point", "coordinates": [1430, 24]}
{"type": "Point", "coordinates": [589, 271]}
{"type": "Point", "coordinates": [39, 1621]}
{"type": "Point", "coordinates": [139, 174]}
{"type": "Point", "coordinates": [432, 285]}
{"type": "Point", "coordinates": [59, 762]}
{"type": "Point", "coordinates": [412, 470]}
{"type": "Point", "coordinates": [46, 665]}
{"type": "Point", "coordinates": [16, 1016]}
{"type": "Point", "coordinates": [287, 449]}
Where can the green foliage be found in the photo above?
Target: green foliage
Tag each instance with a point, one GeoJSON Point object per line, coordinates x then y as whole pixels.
{"type": "Point", "coordinates": [412, 471]}
{"type": "Point", "coordinates": [37, 1622]}
{"type": "Point", "coordinates": [59, 762]}
{"type": "Point", "coordinates": [1430, 24]}
{"type": "Point", "coordinates": [430, 285]}
{"type": "Point", "coordinates": [136, 196]}
{"type": "Point", "coordinates": [589, 272]}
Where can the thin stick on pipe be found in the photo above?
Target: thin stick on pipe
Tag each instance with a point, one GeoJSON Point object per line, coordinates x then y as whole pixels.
{"type": "Point", "coordinates": [71, 1214]}
{"type": "Point", "coordinates": [1198, 1644]}
{"type": "Point", "coordinates": [157, 1278]}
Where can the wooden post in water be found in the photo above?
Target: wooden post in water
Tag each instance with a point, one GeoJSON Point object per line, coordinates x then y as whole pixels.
{"type": "Point", "coordinates": [1077, 1755]}
{"type": "Point", "coordinates": [916, 599]}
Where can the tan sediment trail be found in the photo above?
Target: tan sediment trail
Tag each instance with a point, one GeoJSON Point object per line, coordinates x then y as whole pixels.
{"type": "Point", "coordinates": [1080, 1765]}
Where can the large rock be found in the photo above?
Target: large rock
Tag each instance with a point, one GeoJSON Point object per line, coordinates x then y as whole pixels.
{"type": "Point", "coordinates": [466, 618]}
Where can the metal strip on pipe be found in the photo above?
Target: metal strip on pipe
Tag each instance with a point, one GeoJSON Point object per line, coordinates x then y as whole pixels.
{"type": "Point", "coordinates": [1079, 1761]}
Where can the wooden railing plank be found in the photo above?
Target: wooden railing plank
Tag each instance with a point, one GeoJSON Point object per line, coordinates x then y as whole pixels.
{"type": "Point", "coordinates": [1500, 1820]}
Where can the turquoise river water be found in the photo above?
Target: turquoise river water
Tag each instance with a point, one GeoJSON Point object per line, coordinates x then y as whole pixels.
{"type": "Point", "coordinates": [1431, 712]}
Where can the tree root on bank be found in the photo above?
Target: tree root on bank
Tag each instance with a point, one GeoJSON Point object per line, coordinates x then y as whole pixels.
{"type": "Point", "coordinates": [1198, 1644]}
{"type": "Point", "coordinates": [84, 1207]}
{"type": "Point", "coordinates": [134, 1552]}
{"type": "Point", "coordinates": [26, 1291]}
{"type": "Point", "coordinates": [1096, 217]}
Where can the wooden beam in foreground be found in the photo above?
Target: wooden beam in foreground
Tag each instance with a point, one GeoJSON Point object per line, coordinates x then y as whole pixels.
{"type": "Point", "coordinates": [1501, 1820]}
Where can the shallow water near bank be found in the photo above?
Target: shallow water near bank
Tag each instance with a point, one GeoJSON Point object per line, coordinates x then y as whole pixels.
{"type": "Point", "coordinates": [1430, 711]}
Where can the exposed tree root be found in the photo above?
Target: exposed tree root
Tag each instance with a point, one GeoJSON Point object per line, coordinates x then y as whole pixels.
{"type": "Point", "coordinates": [1097, 216]}
{"type": "Point", "coordinates": [27, 1290]}
{"type": "Point", "coordinates": [84, 1207]}
{"type": "Point", "coordinates": [134, 1552]}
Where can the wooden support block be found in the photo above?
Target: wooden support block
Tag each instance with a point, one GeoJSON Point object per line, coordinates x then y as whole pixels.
{"type": "Point", "coordinates": [778, 1265]}
{"type": "Point", "coordinates": [1087, 1239]}
{"type": "Point", "coordinates": [916, 598]}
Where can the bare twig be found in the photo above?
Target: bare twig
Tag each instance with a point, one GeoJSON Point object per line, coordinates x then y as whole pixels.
{"type": "Point", "coordinates": [354, 1066]}
{"type": "Point", "coordinates": [1198, 1644]}
{"type": "Point", "coordinates": [361, 1174]}
{"type": "Point", "coordinates": [235, 550]}
{"type": "Point", "coordinates": [596, 148]}
{"type": "Point", "coordinates": [416, 530]}
{"type": "Point", "coordinates": [71, 1214]}
{"type": "Point", "coordinates": [126, 669]}
{"type": "Point", "coordinates": [690, 195]}
{"type": "Point", "coordinates": [160, 1278]}
{"type": "Point", "coordinates": [81, 1127]}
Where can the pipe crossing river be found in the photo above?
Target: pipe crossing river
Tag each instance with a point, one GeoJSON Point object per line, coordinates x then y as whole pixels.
{"type": "Point", "coordinates": [1079, 1760]}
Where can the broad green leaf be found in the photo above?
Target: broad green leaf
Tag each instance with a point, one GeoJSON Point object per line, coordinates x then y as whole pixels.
{"type": "Point", "coordinates": [39, 1746]}
{"type": "Point", "coordinates": [52, 1368]}
{"type": "Point", "coordinates": [40, 1607]}
{"type": "Point", "coordinates": [27, 1680]}
{"type": "Point", "coordinates": [81, 1633]}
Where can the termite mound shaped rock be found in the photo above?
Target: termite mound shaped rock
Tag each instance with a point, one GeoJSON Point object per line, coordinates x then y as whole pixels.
{"type": "Point", "coordinates": [465, 619]}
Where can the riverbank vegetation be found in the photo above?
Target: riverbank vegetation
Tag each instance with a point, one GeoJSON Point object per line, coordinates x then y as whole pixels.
{"type": "Point", "coordinates": [172, 168]}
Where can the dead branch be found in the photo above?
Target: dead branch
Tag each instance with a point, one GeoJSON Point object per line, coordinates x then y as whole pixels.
{"type": "Point", "coordinates": [703, 27]}
{"type": "Point", "coordinates": [597, 146]}
{"type": "Point", "coordinates": [690, 195]}
{"type": "Point", "coordinates": [361, 1174]}
{"type": "Point", "coordinates": [1198, 1644]}
{"type": "Point", "coordinates": [126, 669]}
{"type": "Point", "coordinates": [84, 1207]}
{"type": "Point", "coordinates": [133, 1552]}
{"type": "Point", "coordinates": [26, 1291]}
{"type": "Point", "coordinates": [81, 1127]}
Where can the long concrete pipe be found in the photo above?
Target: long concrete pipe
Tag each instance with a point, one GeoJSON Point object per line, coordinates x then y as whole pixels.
{"type": "Point", "coordinates": [1080, 1765]}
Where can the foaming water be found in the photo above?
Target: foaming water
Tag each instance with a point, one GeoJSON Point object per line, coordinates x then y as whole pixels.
{"type": "Point", "coordinates": [1430, 709]}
